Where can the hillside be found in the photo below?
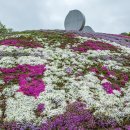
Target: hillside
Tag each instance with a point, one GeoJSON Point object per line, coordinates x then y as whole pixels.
{"type": "Point", "coordinates": [57, 80]}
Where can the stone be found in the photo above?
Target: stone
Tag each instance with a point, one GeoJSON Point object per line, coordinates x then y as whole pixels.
{"type": "Point", "coordinates": [74, 21]}
{"type": "Point", "coordinates": [88, 29]}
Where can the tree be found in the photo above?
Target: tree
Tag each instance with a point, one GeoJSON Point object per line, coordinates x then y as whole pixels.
{"type": "Point", "coordinates": [4, 30]}
{"type": "Point", "coordinates": [126, 34]}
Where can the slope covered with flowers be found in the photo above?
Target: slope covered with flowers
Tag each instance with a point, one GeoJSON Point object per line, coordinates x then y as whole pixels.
{"type": "Point", "coordinates": [56, 80]}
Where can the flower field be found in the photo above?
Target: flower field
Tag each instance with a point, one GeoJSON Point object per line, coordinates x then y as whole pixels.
{"type": "Point", "coordinates": [56, 80]}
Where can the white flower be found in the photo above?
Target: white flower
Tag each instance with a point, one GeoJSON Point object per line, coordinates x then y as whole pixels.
{"type": "Point", "coordinates": [117, 93]}
{"type": "Point", "coordinates": [104, 81]}
{"type": "Point", "coordinates": [20, 108]}
{"type": "Point", "coordinates": [10, 91]}
{"type": "Point", "coordinates": [1, 81]}
{"type": "Point", "coordinates": [7, 61]}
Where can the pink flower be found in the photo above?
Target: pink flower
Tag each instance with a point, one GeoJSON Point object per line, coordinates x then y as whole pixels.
{"type": "Point", "coordinates": [125, 76]}
{"type": "Point", "coordinates": [123, 83]}
{"type": "Point", "coordinates": [28, 81]}
{"type": "Point", "coordinates": [40, 107]}
{"type": "Point", "coordinates": [108, 87]}
{"type": "Point", "coordinates": [94, 70]}
{"type": "Point", "coordinates": [81, 49]}
{"type": "Point", "coordinates": [117, 87]}
{"type": "Point", "coordinates": [104, 68]}
{"type": "Point", "coordinates": [8, 78]}
{"type": "Point", "coordinates": [19, 42]}
{"type": "Point", "coordinates": [34, 88]}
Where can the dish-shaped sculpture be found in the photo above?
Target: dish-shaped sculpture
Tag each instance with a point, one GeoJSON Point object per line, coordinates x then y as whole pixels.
{"type": "Point", "coordinates": [75, 20]}
{"type": "Point", "coordinates": [88, 29]}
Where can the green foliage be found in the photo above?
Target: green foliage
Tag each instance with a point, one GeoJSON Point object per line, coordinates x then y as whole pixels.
{"type": "Point", "coordinates": [126, 34]}
{"type": "Point", "coordinates": [129, 34]}
{"type": "Point", "coordinates": [4, 30]}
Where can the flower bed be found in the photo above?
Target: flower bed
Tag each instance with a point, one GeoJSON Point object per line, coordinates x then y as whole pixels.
{"type": "Point", "coordinates": [69, 81]}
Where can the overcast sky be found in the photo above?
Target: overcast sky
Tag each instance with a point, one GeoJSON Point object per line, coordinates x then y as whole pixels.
{"type": "Point", "coordinates": [108, 16]}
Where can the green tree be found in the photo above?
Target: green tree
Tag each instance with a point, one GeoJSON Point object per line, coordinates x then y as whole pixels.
{"type": "Point", "coordinates": [126, 34]}
{"type": "Point", "coordinates": [4, 30]}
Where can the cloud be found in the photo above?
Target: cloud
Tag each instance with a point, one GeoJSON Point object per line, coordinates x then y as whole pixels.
{"type": "Point", "coordinates": [109, 16]}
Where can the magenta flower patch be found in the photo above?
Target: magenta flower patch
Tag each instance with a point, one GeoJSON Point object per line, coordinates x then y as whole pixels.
{"type": "Point", "coordinates": [106, 74]}
{"type": "Point", "coordinates": [27, 78]}
{"type": "Point", "coordinates": [94, 45]}
{"type": "Point", "coordinates": [20, 43]}
{"type": "Point", "coordinates": [108, 87]}
{"type": "Point", "coordinates": [34, 88]}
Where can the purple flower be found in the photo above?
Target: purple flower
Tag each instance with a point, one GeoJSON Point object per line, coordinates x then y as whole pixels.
{"type": "Point", "coordinates": [104, 68]}
{"type": "Point", "coordinates": [95, 70]}
{"type": "Point", "coordinates": [40, 107]}
{"type": "Point", "coordinates": [127, 127]}
{"type": "Point", "coordinates": [32, 88]}
{"type": "Point", "coordinates": [108, 87]}
{"type": "Point", "coordinates": [118, 129]}
{"type": "Point", "coordinates": [69, 70]}
{"type": "Point", "coordinates": [125, 77]}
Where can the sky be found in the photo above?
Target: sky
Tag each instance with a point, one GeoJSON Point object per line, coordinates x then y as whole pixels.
{"type": "Point", "coordinates": [107, 16]}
